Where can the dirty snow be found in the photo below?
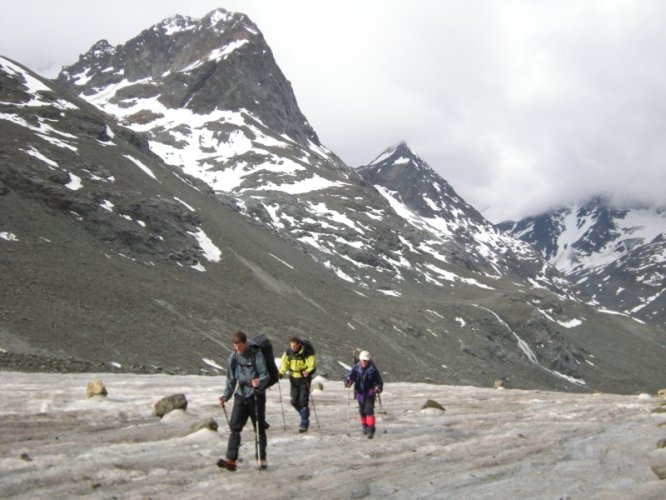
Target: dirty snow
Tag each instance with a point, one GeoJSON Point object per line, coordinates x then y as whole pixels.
{"type": "Point", "coordinates": [57, 443]}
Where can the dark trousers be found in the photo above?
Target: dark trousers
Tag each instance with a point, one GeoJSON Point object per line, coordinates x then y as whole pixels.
{"type": "Point", "coordinates": [300, 399]}
{"type": "Point", "coordinates": [367, 412]}
{"type": "Point", "coordinates": [367, 407]}
{"type": "Point", "coordinates": [244, 408]}
{"type": "Point", "coordinates": [300, 392]}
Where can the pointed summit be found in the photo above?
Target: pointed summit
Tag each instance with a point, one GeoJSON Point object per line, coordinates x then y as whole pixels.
{"type": "Point", "coordinates": [401, 170]}
{"type": "Point", "coordinates": [420, 195]}
{"type": "Point", "coordinates": [400, 154]}
{"type": "Point", "coordinates": [220, 62]}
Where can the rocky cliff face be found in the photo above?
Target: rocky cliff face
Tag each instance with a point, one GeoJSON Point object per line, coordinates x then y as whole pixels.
{"type": "Point", "coordinates": [219, 62]}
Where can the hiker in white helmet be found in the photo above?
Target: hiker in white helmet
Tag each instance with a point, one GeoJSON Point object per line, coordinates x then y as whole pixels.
{"type": "Point", "coordinates": [367, 384]}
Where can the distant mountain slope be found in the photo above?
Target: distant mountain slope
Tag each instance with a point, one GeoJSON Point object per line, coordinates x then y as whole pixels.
{"type": "Point", "coordinates": [124, 236]}
{"type": "Point", "coordinates": [266, 159]}
{"type": "Point", "coordinates": [109, 255]}
{"type": "Point", "coordinates": [430, 203]}
{"type": "Point", "coordinates": [617, 255]}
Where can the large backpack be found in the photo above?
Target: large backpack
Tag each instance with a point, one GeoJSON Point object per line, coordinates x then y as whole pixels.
{"type": "Point", "coordinates": [264, 344]}
{"type": "Point", "coordinates": [308, 350]}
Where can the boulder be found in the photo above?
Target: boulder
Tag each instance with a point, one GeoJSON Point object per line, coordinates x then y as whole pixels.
{"type": "Point", "coordinates": [658, 462]}
{"type": "Point", "coordinates": [96, 388]}
{"type": "Point", "coordinates": [170, 403]}
{"type": "Point", "coordinates": [209, 423]}
{"type": "Point", "coordinates": [432, 404]}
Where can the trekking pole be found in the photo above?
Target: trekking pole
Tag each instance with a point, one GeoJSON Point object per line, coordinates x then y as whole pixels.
{"type": "Point", "coordinates": [284, 423]}
{"type": "Point", "coordinates": [226, 416]}
{"type": "Point", "coordinates": [314, 408]}
{"type": "Point", "coordinates": [256, 428]}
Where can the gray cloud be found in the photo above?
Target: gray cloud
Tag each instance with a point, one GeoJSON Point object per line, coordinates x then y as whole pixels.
{"type": "Point", "coordinates": [520, 105]}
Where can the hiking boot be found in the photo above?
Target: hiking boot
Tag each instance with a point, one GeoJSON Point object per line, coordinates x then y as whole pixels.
{"type": "Point", "coordinates": [303, 429]}
{"type": "Point", "coordinates": [365, 430]}
{"type": "Point", "coordinates": [371, 432]}
{"type": "Point", "coordinates": [263, 465]}
{"type": "Point", "coordinates": [227, 464]}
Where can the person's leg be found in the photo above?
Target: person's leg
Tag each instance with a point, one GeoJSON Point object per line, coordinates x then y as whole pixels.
{"type": "Point", "coordinates": [369, 410]}
{"type": "Point", "coordinates": [304, 405]}
{"type": "Point", "coordinates": [294, 393]}
{"type": "Point", "coordinates": [363, 419]}
{"type": "Point", "coordinates": [239, 416]}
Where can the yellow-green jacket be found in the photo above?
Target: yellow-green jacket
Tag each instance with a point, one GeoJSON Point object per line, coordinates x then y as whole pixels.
{"type": "Point", "coordinates": [297, 363]}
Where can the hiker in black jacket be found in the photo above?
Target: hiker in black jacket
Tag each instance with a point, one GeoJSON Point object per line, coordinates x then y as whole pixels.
{"type": "Point", "coordinates": [247, 377]}
{"type": "Point", "coordinates": [367, 381]}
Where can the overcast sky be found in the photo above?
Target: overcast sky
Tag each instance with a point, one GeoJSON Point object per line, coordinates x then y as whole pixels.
{"type": "Point", "coordinates": [520, 105]}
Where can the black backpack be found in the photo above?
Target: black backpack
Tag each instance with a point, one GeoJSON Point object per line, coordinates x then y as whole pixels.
{"type": "Point", "coordinates": [308, 350]}
{"type": "Point", "coordinates": [264, 344]}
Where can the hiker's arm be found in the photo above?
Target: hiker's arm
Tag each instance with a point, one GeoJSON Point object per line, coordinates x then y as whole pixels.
{"type": "Point", "coordinates": [351, 377]}
{"type": "Point", "coordinates": [231, 378]}
{"type": "Point", "coordinates": [379, 381]}
{"type": "Point", "coordinates": [262, 371]}
{"type": "Point", "coordinates": [310, 363]}
{"type": "Point", "coordinates": [284, 365]}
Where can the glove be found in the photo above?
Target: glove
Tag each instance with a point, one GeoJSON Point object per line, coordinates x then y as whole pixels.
{"type": "Point", "coordinates": [222, 400]}
{"type": "Point", "coordinates": [280, 375]}
{"type": "Point", "coordinates": [378, 389]}
{"type": "Point", "coordinates": [348, 383]}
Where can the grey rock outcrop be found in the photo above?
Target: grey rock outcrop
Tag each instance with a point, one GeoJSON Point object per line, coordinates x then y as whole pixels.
{"type": "Point", "coordinates": [432, 404]}
{"type": "Point", "coordinates": [170, 403]}
{"type": "Point", "coordinates": [209, 423]}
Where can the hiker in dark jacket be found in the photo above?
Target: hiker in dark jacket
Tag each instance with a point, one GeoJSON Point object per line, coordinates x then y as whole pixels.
{"type": "Point", "coordinates": [367, 381]}
{"type": "Point", "coordinates": [300, 363]}
{"type": "Point", "coordinates": [247, 377]}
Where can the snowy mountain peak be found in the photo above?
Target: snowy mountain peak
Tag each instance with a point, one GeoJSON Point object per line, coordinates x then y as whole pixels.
{"type": "Point", "coordinates": [428, 202]}
{"type": "Point", "coordinates": [218, 21]}
{"type": "Point", "coordinates": [210, 97]}
{"type": "Point", "coordinates": [218, 63]}
{"type": "Point", "coordinates": [617, 254]}
{"type": "Point", "coordinates": [401, 170]}
{"type": "Point", "coordinates": [401, 154]}
{"type": "Point", "coordinates": [269, 232]}
{"type": "Point", "coordinates": [101, 48]}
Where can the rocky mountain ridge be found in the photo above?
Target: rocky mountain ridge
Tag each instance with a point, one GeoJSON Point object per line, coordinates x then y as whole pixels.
{"type": "Point", "coordinates": [615, 255]}
{"type": "Point", "coordinates": [296, 187]}
{"type": "Point", "coordinates": [137, 234]}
